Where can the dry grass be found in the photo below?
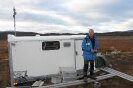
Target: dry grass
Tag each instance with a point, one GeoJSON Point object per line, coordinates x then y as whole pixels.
{"type": "Point", "coordinates": [122, 43]}
{"type": "Point", "coordinates": [4, 64]}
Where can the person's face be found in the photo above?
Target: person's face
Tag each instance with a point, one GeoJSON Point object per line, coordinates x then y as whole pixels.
{"type": "Point", "coordinates": [91, 33]}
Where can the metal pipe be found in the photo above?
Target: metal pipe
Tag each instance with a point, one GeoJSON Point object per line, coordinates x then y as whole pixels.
{"type": "Point", "coordinates": [14, 14]}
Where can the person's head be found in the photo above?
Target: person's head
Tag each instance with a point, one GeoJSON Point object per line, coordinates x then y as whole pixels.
{"type": "Point", "coordinates": [91, 32]}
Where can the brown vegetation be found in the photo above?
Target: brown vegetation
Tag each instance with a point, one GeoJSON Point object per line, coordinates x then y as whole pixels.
{"type": "Point", "coordinates": [4, 66]}
{"type": "Point", "coordinates": [122, 43]}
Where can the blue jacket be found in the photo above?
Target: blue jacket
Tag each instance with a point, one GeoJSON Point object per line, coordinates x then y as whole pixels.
{"type": "Point", "coordinates": [87, 46]}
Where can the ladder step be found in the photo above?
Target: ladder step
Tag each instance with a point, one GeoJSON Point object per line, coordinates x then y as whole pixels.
{"type": "Point", "coordinates": [118, 73]}
{"type": "Point", "coordinates": [37, 83]}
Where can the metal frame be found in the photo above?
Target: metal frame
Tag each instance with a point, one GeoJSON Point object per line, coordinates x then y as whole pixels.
{"type": "Point", "coordinates": [10, 63]}
{"type": "Point", "coordinates": [111, 71]}
{"type": "Point", "coordinates": [75, 53]}
{"type": "Point", "coordinates": [77, 82]}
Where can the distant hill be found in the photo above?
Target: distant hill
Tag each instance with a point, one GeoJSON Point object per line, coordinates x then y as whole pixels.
{"type": "Point", "coordinates": [116, 33]}
{"type": "Point", "coordinates": [124, 33]}
{"type": "Point", "coordinates": [3, 34]}
{"type": "Point", "coordinates": [129, 31]}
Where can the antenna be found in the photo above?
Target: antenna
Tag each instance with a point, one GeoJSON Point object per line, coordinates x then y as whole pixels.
{"type": "Point", "coordinates": [14, 14]}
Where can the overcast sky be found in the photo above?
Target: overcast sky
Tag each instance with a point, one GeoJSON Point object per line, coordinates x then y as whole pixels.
{"type": "Point", "coordinates": [67, 16]}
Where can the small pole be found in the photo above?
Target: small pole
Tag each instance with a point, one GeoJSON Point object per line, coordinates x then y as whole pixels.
{"type": "Point", "coordinates": [14, 14]}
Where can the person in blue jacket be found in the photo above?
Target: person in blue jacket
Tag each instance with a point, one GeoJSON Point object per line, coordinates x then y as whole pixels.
{"type": "Point", "coordinates": [89, 47]}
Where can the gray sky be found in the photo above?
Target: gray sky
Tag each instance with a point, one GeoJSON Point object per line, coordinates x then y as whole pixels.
{"type": "Point", "coordinates": [67, 16]}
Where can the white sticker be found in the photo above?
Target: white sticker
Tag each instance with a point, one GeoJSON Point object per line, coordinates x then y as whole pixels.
{"type": "Point", "coordinates": [87, 43]}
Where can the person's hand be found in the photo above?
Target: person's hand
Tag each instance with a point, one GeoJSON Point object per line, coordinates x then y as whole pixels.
{"type": "Point", "coordinates": [95, 51]}
{"type": "Point", "coordinates": [92, 50]}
